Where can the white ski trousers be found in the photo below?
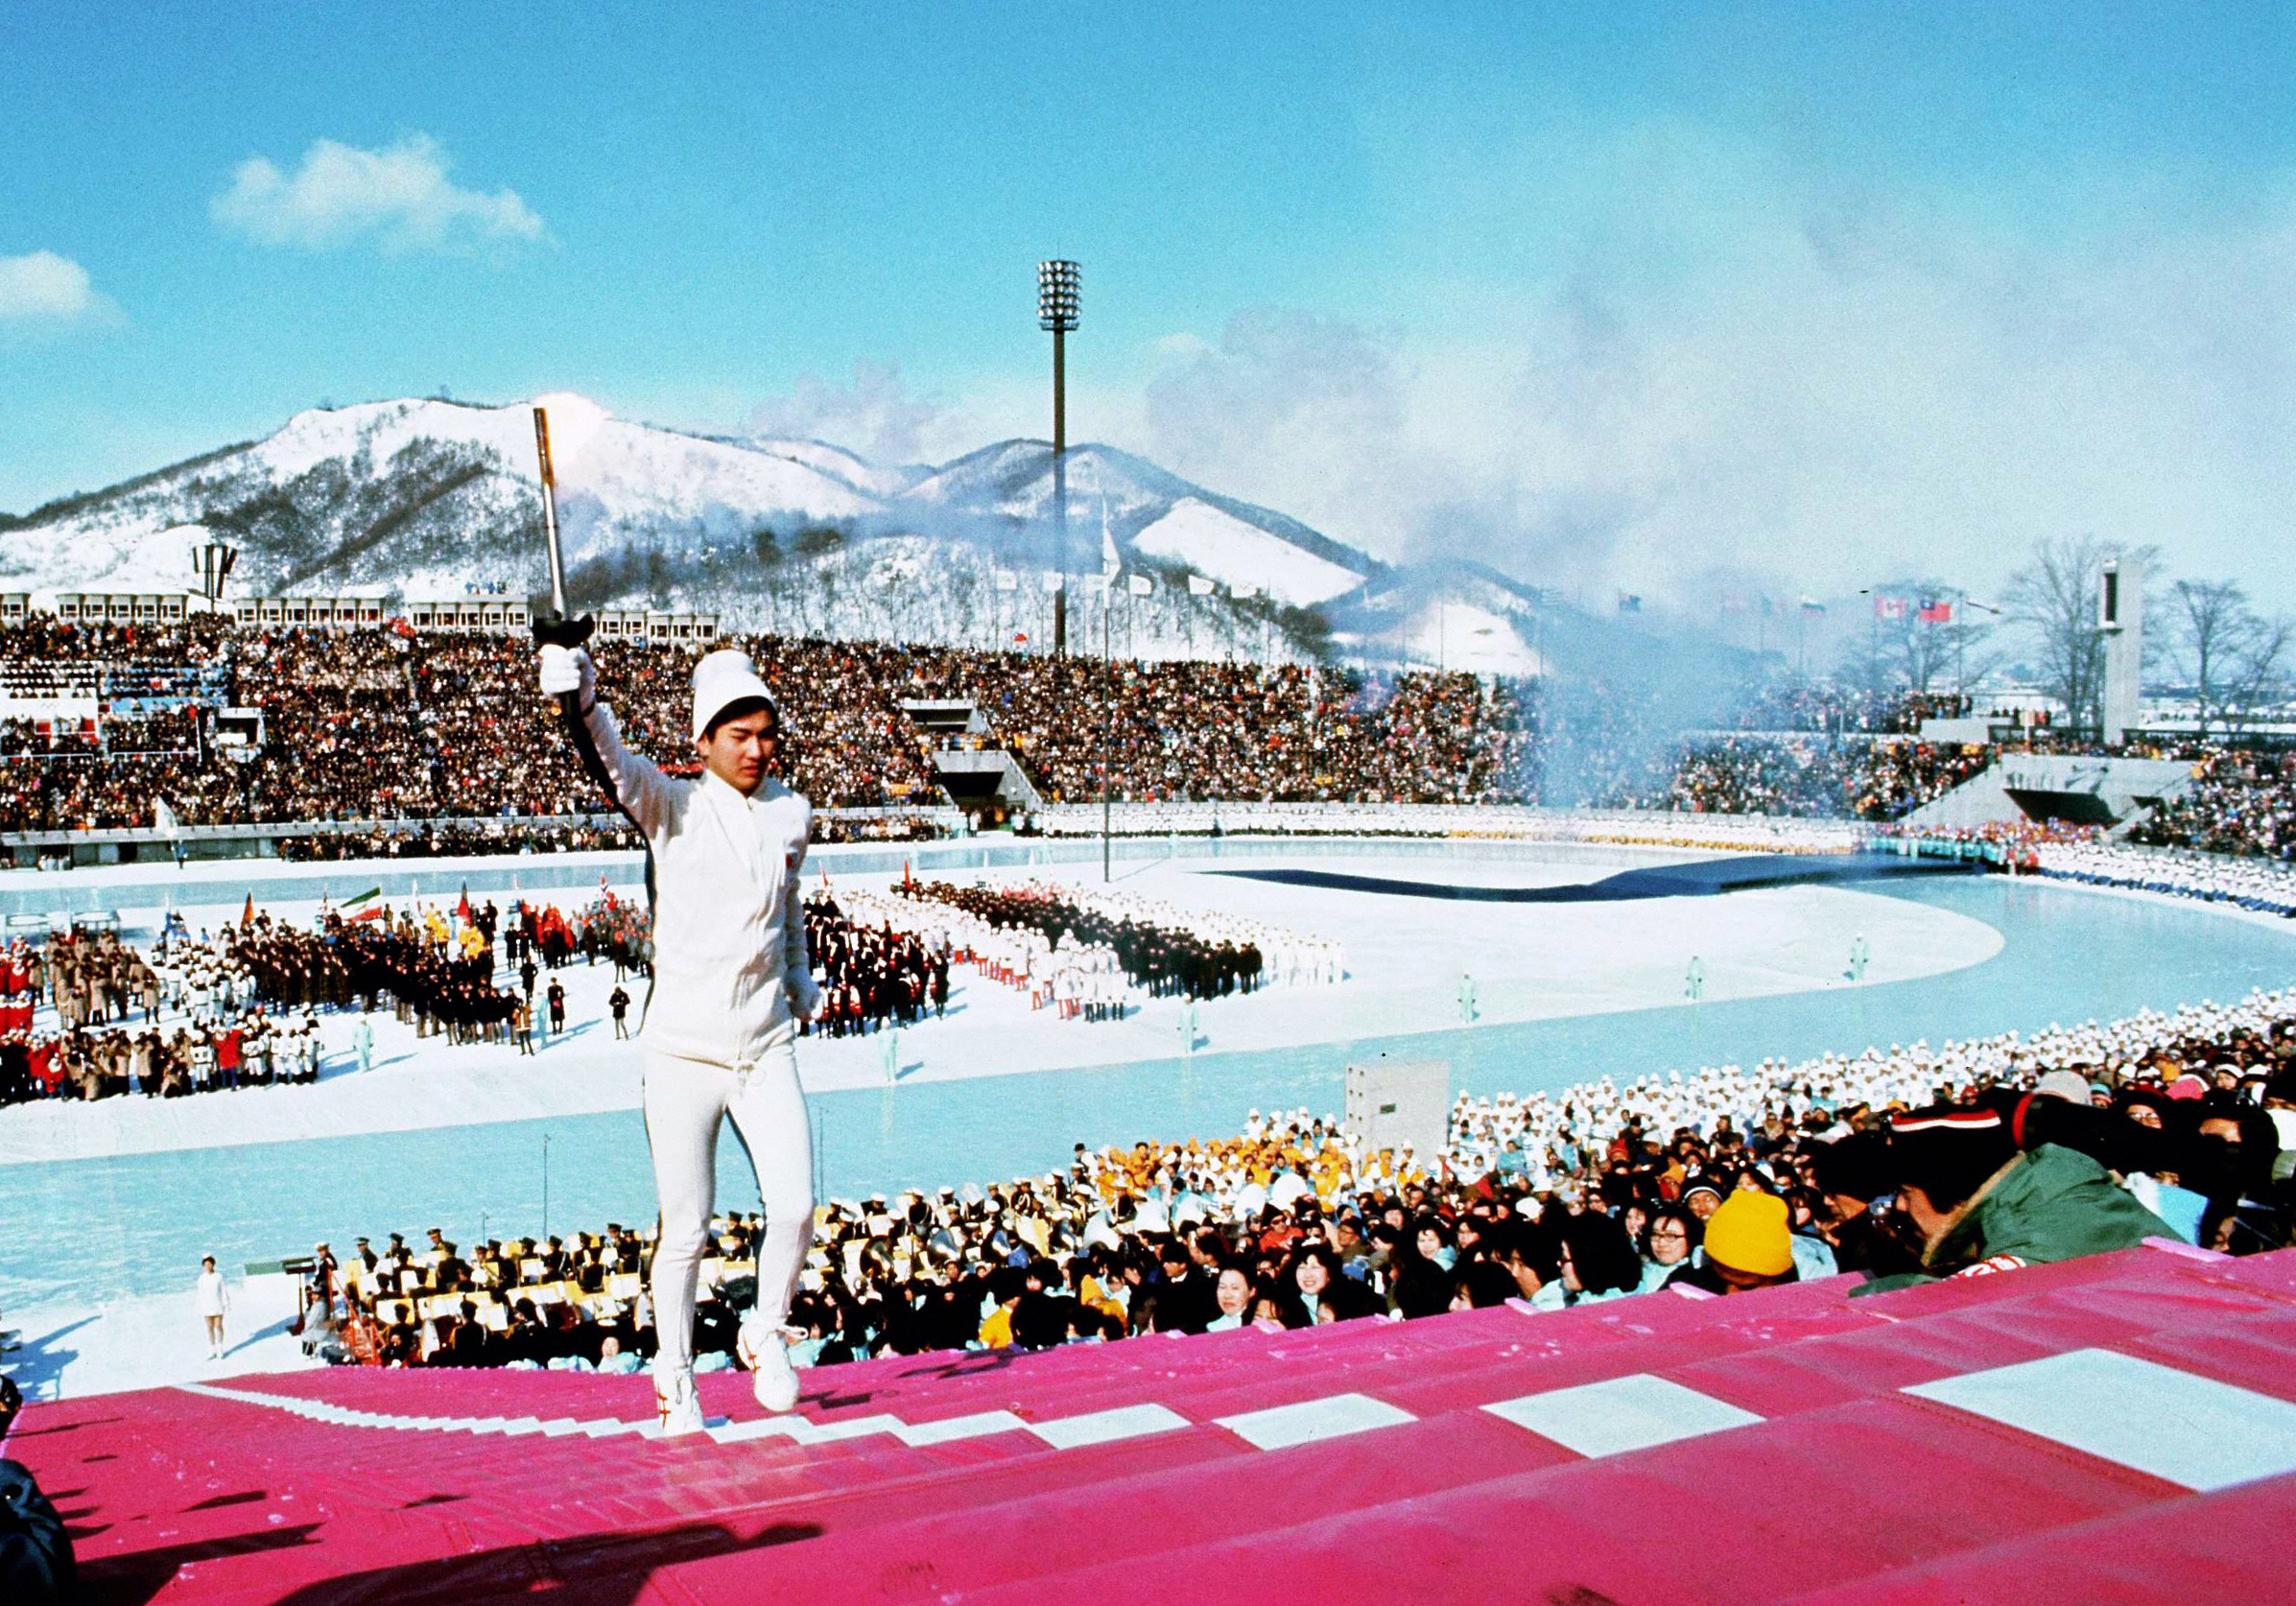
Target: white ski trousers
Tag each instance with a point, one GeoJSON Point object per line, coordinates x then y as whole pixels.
{"type": "Point", "coordinates": [685, 1100]}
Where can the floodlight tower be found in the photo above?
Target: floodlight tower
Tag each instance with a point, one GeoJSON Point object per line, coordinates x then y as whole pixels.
{"type": "Point", "coordinates": [1057, 303]}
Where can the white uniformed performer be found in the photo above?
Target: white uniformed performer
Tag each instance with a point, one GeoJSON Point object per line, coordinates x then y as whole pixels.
{"type": "Point", "coordinates": [732, 979]}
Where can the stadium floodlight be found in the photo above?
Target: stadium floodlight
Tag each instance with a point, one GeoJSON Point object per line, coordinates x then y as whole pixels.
{"type": "Point", "coordinates": [1057, 297]}
{"type": "Point", "coordinates": [1057, 302]}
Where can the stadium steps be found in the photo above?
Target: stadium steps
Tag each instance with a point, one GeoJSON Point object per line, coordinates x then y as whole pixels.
{"type": "Point", "coordinates": [1662, 1449]}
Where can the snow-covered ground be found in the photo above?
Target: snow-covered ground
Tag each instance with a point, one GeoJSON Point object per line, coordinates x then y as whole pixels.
{"type": "Point", "coordinates": [1405, 958]}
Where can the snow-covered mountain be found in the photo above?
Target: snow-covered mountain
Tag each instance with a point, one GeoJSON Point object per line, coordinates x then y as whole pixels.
{"type": "Point", "coordinates": [429, 497]}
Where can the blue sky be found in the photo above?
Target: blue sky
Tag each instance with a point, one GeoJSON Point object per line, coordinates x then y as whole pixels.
{"type": "Point", "coordinates": [1808, 291]}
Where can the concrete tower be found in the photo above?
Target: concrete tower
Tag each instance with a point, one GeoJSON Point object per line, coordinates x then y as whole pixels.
{"type": "Point", "coordinates": [2120, 617]}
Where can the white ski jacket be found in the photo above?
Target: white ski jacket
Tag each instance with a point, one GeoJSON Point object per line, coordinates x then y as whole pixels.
{"type": "Point", "coordinates": [729, 953]}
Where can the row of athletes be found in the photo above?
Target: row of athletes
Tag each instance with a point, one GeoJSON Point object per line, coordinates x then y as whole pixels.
{"type": "Point", "coordinates": [256, 1052]}
{"type": "Point", "coordinates": [870, 976]}
{"type": "Point", "coordinates": [95, 978]}
{"type": "Point", "coordinates": [1167, 961]}
{"type": "Point", "coordinates": [439, 992]}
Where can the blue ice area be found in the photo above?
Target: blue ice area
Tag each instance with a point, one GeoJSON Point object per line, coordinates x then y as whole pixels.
{"type": "Point", "coordinates": [97, 1229]}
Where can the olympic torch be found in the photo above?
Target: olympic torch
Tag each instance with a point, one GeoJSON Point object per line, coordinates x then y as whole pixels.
{"type": "Point", "coordinates": [557, 631]}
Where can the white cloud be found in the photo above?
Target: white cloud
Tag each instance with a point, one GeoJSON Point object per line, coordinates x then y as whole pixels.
{"type": "Point", "coordinates": [42, 290]}
{"type": "Point", "coordinates": [876, 416]}
{"type": "Point", "coordinates": [1718, 366]}
{"type": "Point", "coordinates": [398, 197]}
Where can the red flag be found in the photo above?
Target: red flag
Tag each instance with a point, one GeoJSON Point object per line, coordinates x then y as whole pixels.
{"type": "Point", "coordinates": [1935, 612]}
{"type": "Point", "coordinates": [1889, 607]}
{"type": "Point", "coordinates": [373, 912]}
{"type": "Point", "coordinates": [1020, 637]}
{"type": "Point", "coordinates": [463, 908]}
{"type": "Point", "coordinates": [247, 915]}
{"type": "Point", "coordinates": [908, 878]}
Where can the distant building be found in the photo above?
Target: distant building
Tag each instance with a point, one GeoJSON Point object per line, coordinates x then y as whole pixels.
{"type": "Point", "coordinates": [123, 607]}
{"type": "Point", "coordinates": [490, 616]}
{"type": "Point", "coordinates": [306, 613]}
{"type": "Point", "coordinates": [675, 630]}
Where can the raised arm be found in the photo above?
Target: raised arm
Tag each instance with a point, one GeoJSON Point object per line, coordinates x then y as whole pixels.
{"type": "Point", "coordinates": [643, 792]}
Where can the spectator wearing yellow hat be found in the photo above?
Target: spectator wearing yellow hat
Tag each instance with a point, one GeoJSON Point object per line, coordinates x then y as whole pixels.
{"type": "Point", "coordinates": [1748, 1245]}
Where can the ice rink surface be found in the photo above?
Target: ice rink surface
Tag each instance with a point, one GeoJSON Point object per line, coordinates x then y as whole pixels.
{"type": "Point", "coordinates": [109, 1204]}
{"type": "Point", "coordinates": [1405, 958]}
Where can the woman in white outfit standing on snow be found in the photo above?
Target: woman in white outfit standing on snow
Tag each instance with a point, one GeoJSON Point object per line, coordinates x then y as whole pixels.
{"type": "Point", "coordinates": [732, 979]}
{"type": "Point", "coordinates": [213, 1303]}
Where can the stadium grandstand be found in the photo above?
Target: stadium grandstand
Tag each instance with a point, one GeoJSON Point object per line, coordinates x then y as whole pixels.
{"type": "Point", "coordinates": [211, 723]}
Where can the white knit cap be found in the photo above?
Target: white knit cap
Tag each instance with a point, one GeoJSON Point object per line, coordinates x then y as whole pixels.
{"type": "Point", "coordinates": [721, 679]}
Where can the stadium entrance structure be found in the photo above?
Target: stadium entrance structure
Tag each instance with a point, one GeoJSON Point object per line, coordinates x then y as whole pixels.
{"type": "Point", "coordinates": [2115, 792]}
{"type": "Point", "coordinates": [971, 765]}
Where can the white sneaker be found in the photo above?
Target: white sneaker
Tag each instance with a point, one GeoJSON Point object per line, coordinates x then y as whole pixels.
{"type": "Point", "coordinates": [772, 1377]}
{"type": "Point", "coordinates": [676, 1407]}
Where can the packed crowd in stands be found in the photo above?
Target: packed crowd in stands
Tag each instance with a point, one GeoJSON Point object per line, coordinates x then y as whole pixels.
{"type": "Point", "coordinates": [389, 726]}
{"type": "Point", "coordinates": [1971, 1158]}
{"type": "Point", "coordinates": [1801, 776]}
{"type": "Point", "coordinates": [442, 742]}
{"type": "Point", "coordinates": [2239, 803]}
{"type": "Point", "coordinates": [442, 838]}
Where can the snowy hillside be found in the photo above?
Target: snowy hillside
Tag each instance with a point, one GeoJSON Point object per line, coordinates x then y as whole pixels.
{"type": "Point", "coordinates": [427, 498]}
{"type": "Point", "coordinates": [1209, 541]}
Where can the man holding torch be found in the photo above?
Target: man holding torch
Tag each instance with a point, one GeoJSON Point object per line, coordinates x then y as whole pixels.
{"type": "Point", "coordinates": [732, 979]}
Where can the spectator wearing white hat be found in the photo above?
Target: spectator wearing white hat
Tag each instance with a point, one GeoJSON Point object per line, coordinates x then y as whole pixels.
{"type": "Point", "coordinates": [732, 979]}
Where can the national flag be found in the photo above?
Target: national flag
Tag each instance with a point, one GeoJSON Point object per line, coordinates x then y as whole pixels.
{"type": "Point", "coordinates": [362, 900]}
{"type": "Point", "coordinates": [1889, 607]}
{"type": "Point", "coordinates": [1139, 585]}
{"type": "Point", "coordinates": [1936, 611]}
{"type": "Point", "coordinates": [1630, 601]}
{"type": "Point", "coordinates": [1198, 586]}
{"type": "Point", "coordinates": [908, 876]}
{"type": "Point", "coordinates": [463, 908]}
{"type": "Point", "coordinates": [373, 912]}
{"type": "Point", "coordinates": [1020, 638]}
{"type": "Point", "coordinates": [247, 915]}
{"type": "Point", "coordinates": [1733, 602]}
{"type": "Point", "coordinates": [1811, 604]}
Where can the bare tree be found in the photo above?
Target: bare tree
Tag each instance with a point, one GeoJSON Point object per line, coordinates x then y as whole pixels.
{"type": "Point", "coordinates": [2054, 596]}
{"type": "Point", "coordinates": [2234, 659]}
